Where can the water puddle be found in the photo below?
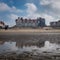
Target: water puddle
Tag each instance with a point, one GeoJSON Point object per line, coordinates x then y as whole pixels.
{"type": "Point", "coordinates": [48, 47]}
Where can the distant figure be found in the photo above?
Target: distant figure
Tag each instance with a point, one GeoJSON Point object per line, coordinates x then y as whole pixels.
{"type": "Point", "coordinates": [6, 27]}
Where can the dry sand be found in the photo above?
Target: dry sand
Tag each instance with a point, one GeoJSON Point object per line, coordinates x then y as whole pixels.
{"type": "Point", "coordinates": [29, 30]}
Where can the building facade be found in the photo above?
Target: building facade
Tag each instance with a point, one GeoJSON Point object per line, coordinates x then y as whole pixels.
{"type": "Point", "coordinates": [55, 24]}
{"type": "Point", "coordinates": [39, 22]}
{"type": "Point", "coordinates": [2, 24]}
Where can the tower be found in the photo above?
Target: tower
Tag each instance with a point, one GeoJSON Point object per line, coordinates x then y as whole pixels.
{"type": "Point", "coordinates": [41, 22]}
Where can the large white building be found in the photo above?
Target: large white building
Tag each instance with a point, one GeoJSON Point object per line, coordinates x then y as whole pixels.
{"type": "Point", "coordinates": [55, 24]}
{"type": "Point", "coordinates": [20, 22]}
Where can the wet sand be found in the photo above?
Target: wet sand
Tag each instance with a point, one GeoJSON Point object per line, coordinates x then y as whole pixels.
{"type": "Point", "coordinates": [30, 37]}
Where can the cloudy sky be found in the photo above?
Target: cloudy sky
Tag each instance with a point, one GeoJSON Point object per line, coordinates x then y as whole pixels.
{"type": "Point", "coordinates": [12, 9]}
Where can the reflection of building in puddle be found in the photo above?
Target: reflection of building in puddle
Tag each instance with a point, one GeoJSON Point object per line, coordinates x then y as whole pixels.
{"type": "Point", "coordinates": [50, 46]}
{"type": "Point", "coordinates": [11, 47]}
{"type": "Point", "coordinates": [21, 44]}
{"type": "Point", "coordinates": [8, 46]}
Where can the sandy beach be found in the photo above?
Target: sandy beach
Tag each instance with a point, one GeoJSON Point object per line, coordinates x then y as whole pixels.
{"type": "Point", "coordinates": [31, 30]}
{"type": "Point", "coordinates": [30, 35]}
